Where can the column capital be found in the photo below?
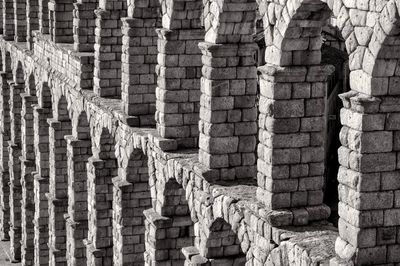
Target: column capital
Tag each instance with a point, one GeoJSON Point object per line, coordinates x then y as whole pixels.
{"type": "Point", "coordinates": [293, 74]}
{"type": "Point", "coordinates": [360, 102]}
{"type": "Point", "coordinates": [228, 49]}
{"type": "Point", "coordinates": [54, 123]}
{"type": "Point", "coordinates": [102, 13]}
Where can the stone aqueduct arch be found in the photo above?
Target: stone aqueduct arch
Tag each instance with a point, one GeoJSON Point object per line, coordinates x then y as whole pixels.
{"type": "Point", "coordinates": [373, 98]}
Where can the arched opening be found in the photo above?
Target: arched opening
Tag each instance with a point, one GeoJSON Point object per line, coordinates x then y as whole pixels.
{"type": "Point", "coordinates": [82, 128]}
{"type": "Point", "coordinates": [42, 112]}
{"type": "Point", "coordinates": [28, 168]}
{"type": "Point", "coordinates": [299, 87]}
{"type": "Point", "coordinates": [15, 152]}
{"type": "Point", "coordinates": [60, 126]}
{"type": "Point", "coordinates": [170, 214]}
{"type": "Point", "coordinates": [1, 52]}
{"type": "Point", "coordinates": [45, 96]}
{"type": "Point", "coordinates": [7, 64]}
{"type": "Point", "coordinates": [222, 245]}
{"type": "Point", "coordinates": [131, 198]}
{"type": "Point", "coordinates": [19, 74]}
{"type": "Point", "coordinates": [333, 53]}
{"type": "Point", "coordinates": [32, 85]}
{"type": "Point", "coordinates": [16, 103]}
{"type": "Point", "coordinates": [102, 168]}
{"type": "Point", "coordinates": [79, 150]}
{"type": "Point", "coordinates": [4, 155]}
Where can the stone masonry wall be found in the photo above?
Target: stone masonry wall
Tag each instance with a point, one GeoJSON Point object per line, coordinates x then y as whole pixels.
{"type": "Point", "coordinates": [143, 133]}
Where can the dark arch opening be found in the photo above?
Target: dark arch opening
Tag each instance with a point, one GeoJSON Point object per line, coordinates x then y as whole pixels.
{"type": "Point", "coordinates": [32, 84]}
{"type": "Point", "coordinates": [19, 74]}
{"type": "Point", "coordinates": [45, 97]}
{"type": "Point", "coordinates": [7, 63]}
{"type": "Point", "coordinates": [333, 53]}
{"type": "Point", "coordinates": [58, 183]}
{"type": "Point", "coordinates": [1, 53]}
{"type": "Point", "coordinates": [43, 112]}
{"type": "Point", "coordinates": [308, 40]}
{"type": "Point", "coordinates": [100, 189]}
{"type": "Point", "coordinates": [222, 243]}
{"type": "Point", "coordinates": [77, 221]}
{"type": "Point", "coordinates": [131, 198]}
{"type": "Point", "coordinates": [173, 204]}
{"type": "Point", "coordinates": [82, 130]}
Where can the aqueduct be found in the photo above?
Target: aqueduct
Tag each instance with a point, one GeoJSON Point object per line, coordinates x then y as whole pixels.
{"type": "Point", "coordinates": [147, 132]}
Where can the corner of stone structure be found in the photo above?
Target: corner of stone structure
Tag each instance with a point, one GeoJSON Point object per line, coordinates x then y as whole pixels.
{"type": "Point", "coordinates": [162, 143]}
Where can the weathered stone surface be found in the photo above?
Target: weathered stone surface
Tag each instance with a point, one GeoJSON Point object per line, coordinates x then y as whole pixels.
{"type": "Point", "coordinates": [121, 144]}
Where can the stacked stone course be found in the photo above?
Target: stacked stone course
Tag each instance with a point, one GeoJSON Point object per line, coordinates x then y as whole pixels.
{"type": "Point", "coordinates": [141, 132]}
{"type": "Point", "coordinates": [28, 165]}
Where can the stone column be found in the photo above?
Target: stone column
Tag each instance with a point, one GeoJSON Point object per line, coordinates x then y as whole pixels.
{"type": "Point", "coordinates": [58, 190]}
{"type": "Point", "coordinates": [165, 237]}
{"type": "Point", "coordinates": [5, 126]}
{"type": "Point", "coordinates": [28, 167]}
{"type": "Point", "coordinates": [130, 198]}
{"type": "Point", "coordinates": [61, 21]}
{"type": "Point", "coordinates": [20, 20]}
{"type": "Point", "coordinates": [8, 20]}
{"type": "Point", "coordinates": [28, 211]}
{"type": "Point", "coordinates": [41, 184]}
{"type": "Point", "coordinates": [126, 242]}
{"type": "Point", "coordinates": [99, 245]}
{"type": "Point", "coordinates": [14, 165]}
{"type": "Point", "coordinates": [368, 176]}
{"type": "Point", "coordinates": [139, 59]}
{"type": "Point", "coordinates": [32, 11]}
{"type": "Point", "coordinates": [77, 218]}
{"type": "Point", "coordinates": [44, 16]}
{"type": "Point", "coordinates": [228, 110]}
{"type": "Point", "coordinates": [84, 24]}
{"type": "Point", "coordinates": [178, 91]}
{"type": "Point", "coordinates": [108, 47]}
{"type": "Point", "coordinates": [291, 148]}
{"type": "Point", "coordinates": [1, 18]}
{"type": "Point", "coordinates": [156, 245]}
{"type": "Point", "coordinates": [193, 257]}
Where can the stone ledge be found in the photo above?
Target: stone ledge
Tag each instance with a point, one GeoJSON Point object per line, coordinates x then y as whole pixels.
{"type": "Point", "coordinates": [162, 143]}
{"type": "Point", "coordinates": [97, 253]}
{"type": "Point", "coordinates": [296, 216]}
{"type": "Point", "coordinates": [309, 245]}
{"type": "Point", "coordinates": [156, 219]}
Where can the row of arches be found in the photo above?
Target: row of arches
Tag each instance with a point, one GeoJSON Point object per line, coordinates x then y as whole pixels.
{"type": "Point", "coordinates": [79, 203]}
{"type": "Point", "coordinates": [293, 39]}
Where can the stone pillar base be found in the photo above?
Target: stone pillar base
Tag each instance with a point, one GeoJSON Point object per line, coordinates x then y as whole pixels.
{"type": "Point", "coordinates": [76, 249]}
{"type": "Point", "coordinates": [15, 243]}
{"type": "Point", "coordinates": [41, 220]}
{"type": "Point", "coordinates": [5, 207]}
{"type": "Point", "coordinates": [193, 258]}
{"type": "Point", "coordinates": [161, 246]}
{"type": "Point", "coordinates": [15, 201]}
{"type": "Point", "coordinates": [28, 211]}
{"type": "Point", "coordinates": [57, 245]}
{"type": "Point", "coordinates": [97, 257]}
